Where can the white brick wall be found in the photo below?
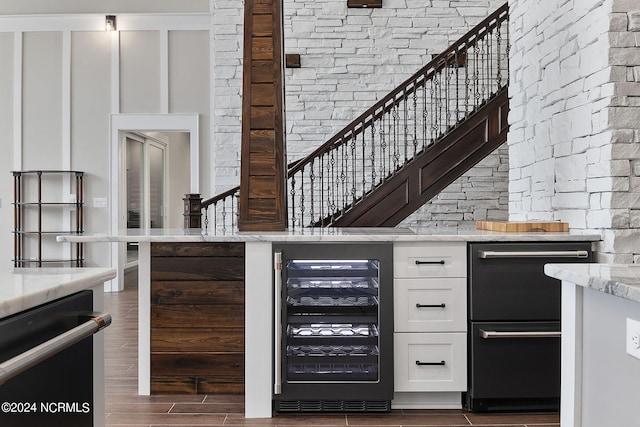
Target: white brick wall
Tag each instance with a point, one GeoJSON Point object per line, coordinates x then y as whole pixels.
{"type": "Point", "coordinates": [573, 147]}
{"type": "Point", "coordinates": [349, 59]}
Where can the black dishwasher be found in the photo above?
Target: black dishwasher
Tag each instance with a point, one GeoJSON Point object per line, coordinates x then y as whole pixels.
{"type": "Point", "coordinates": [514, 324]}
{"type": "Point", "coordinates": [59, 390]}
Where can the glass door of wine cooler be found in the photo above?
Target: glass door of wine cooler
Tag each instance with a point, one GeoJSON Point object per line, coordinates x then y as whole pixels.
{"type": "Point", "coordinates": [332, 330]}
{"type": "Point", "coordinates": [332, 314]}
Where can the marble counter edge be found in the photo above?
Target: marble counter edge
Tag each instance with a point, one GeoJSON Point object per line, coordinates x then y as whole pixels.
{"type": "Point", "coordinates": [39, 286]}
{"type": "Point", "coordinates": [620, 280]}
{"type": "Point", "coordinates": [460, 236]}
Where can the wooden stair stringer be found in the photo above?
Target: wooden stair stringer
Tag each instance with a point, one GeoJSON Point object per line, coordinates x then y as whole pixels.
{"type": "Point", "coordinates": [434, 169]}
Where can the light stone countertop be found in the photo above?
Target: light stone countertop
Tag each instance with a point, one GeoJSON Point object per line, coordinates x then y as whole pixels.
{"type": "Point", "coordinates": [329, 234]}
{"type": "Point", "coordinates": [25, 288]}
{"type": "Point", "coordinates": [621, 280]}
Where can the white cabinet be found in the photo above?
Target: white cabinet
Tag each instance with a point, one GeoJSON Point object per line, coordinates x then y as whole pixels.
{"type": "Point", "coordinates": [430, 319]}
{"type": "Point", "coordinates": [430, 362]}
{"type": "Point", "coordinates": [430, 304]}
{"type": "Point", "coordinates": [434, 259]}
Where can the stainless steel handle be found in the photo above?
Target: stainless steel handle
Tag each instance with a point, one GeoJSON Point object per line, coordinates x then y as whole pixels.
{"type": "Point", "coordinates": [524, 334]}
{"type": "Point", "coordinates": [277, 323]}
{"type": "Point", "coordinates": [533, 254]}
{"type": "Point", "coordinates": [20, 363]}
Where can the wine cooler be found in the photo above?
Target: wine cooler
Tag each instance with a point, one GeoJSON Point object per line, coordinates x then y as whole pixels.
{"type": "Point", "coordinates": [333, 327]}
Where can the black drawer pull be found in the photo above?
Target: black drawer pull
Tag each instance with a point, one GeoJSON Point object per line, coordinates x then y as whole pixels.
{"type": "Point", "coordinates": [419, 363]}
{"type": "Point", "coordinates": [443, 305]}
{"type": "Point", "coordinates": [418, 262]}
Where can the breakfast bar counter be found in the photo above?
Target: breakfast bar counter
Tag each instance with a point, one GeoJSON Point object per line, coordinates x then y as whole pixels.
{"type": "Point", "coordinates": [258, 278]}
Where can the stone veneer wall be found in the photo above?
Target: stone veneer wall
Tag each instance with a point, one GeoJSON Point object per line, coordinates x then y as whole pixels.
{"type": "Point", "coordinates": [574, 140]}
{"type": "Point", "coordinates": [350, 58]}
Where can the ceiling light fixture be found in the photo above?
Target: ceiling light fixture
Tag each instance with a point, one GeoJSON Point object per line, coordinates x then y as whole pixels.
{"type": "Point", "coordinates": [110, 23]}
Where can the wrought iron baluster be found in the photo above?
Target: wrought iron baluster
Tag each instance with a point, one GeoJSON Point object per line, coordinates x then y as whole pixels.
{"type": "Point", "coordinates": [312, 178]}
{"type": "Point", "coordinates": [476, 77]}
{"type": "Point", "coordinates": [450, 110]}
{"type": "Point", "coordinates": [206, 221]}
{"type": "Point", "coordinates": [322, 187]}
{"type": "Point", "coordinates": [373, 153]}
{"type": "Point", "coordinates": [396, 154]}
{"type": "Point", "coordinates": [415, 119]}
{"type": "Point", "coordinates": [424, 114]}
{"type": "Point", "coordinates": [236, 202]}
{"type": "Point", "coordinates": [235, 213]}
{"type": "Point", "coordinates": [364, 166]}
{"type": "Point", "coordinates": [292, 192]}
{"type": "Point", "coordinates": [507, 49]}
{"type": "Point", "coordinates": [499, 61]}
{"type": "Point", "coordinates": [467, 81]}
{"type": "Point", "coordinates": [457, 60]}
{"type": "Point", "coordinates": [485, 71]}
{"type": "Point", "coordinates": [224, 217]}
{"type": "Point", "coordinates": [330, 182]}
{"type": "Point", "coordinates": [405, 119]}
{"type": "Point", "coordinates": [343, 174]}
{"type": "Point", "coordinates": [383, 148]}
{"type": "Point", "coordinates": [354, 168]}
{"type": "Point", "coordinates": [301, 221]}
{"type": "Point", "coordinates": [438, 107]}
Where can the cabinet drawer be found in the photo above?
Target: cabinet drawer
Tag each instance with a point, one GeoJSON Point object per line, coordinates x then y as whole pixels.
{"type": "Point", "coordinates": [430, 305]}
{"type": "Point", "coordinates": [419, 362]}
{"type": "Point", "coordinates": [441, 259]}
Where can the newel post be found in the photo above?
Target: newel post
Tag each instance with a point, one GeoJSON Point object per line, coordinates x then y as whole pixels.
{"type": "Point", "coordinates": [192, 211]}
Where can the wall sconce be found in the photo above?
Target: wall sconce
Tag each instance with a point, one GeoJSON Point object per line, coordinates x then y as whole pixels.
{"type": "Point", "coordinates": [110, 23]}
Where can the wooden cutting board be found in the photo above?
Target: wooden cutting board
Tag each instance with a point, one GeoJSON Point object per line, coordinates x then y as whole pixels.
{"type": "Point", "coordinates": [523, 227]}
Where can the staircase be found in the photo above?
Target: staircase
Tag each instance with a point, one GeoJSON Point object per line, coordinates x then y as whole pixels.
{"type": "Point", "coordinates": [406, 148]}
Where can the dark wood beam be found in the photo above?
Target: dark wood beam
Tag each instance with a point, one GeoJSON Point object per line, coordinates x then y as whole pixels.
{"type": "Point", "coordinates": [263, 203]}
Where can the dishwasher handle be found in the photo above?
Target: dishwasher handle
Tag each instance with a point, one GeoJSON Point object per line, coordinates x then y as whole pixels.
{"type": "Point", "coordinates": [20, 363]}
{"type": "Point", "coordinates": [533, 254]}
{"type": "Point", "coordinates": [524, 334]}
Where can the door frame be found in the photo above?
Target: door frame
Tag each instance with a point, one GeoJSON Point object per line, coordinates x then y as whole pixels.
{"type": "Point", "coordinates": [121, 123]}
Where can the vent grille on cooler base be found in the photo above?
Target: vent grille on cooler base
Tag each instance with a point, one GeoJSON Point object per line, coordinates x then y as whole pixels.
{"type": "Point", "coordinates": [332, 405]}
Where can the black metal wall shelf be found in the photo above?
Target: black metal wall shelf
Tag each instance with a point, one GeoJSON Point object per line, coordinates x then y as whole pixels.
{"type": "Point", "coordinates": [32, 202]}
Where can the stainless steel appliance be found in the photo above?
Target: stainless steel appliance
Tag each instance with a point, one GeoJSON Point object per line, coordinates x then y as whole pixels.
{"type": "Point", "coordinates": [514, 324]}
{"type": "Point", "coordinates": [46, 363]}
{"type": "Point", "coordinates": [334, 327]}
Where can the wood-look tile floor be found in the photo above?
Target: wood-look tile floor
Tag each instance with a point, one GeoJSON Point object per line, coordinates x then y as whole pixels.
{"type": "Point", "coordinates": [125, 408]}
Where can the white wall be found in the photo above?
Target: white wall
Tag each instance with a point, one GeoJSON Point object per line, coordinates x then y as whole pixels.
{"type": "Point", "coordinates": [6, 138]}
{"type": "Point", "coordinates": [574, 120]}
{"type": "Point", "coordinates": [68, 76]}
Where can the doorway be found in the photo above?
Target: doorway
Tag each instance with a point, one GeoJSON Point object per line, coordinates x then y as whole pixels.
{"type": "Point", "coordinates": [145, 178]}
{"type": "Point", "coordinates": [180, 135]}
